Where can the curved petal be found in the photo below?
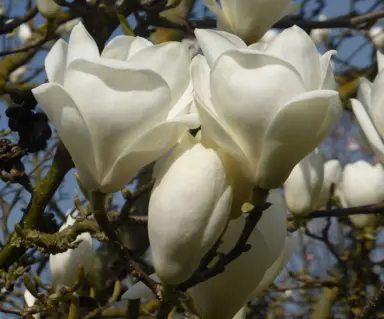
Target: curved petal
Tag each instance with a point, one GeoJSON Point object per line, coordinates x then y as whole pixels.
{"type": "Point", "coordinates": [72, 129]}
{"type": "Point", "coordinates": [56, 62]}
{"type": "Point", "coordinates": [183, 105]}
{"type": "Point", "coordinates": [378, 102]}
{"type": "Point", "coordinates": [243, 87]}
{"type": "Point", "coordinates": [123, 47]}
{"type": "Point", "coordinates": [215, 43]}
{"type": "Point", "coordinates": [200, 76]}
{"type": "Point", "coordinates": [223, 295]}
{"type": "Point", "coordinates": [380, 61]}
{"type": "Point", "coordinates": [81, 45]}
{"type": "Point", "coordinates": [364, 94]}
{"type": "Point", "coordinates": [147, 148]}
{"type": "Point", "coordinates": [327, 82]}
{"type": "Point", "coordinates": [222, 22]}
{"type": "Point", "coordinates": [273, 271]}
{"type": "Point", "coordinates": [296, 46]}
{"type": "Point", "coordinates": [251, 19]}
{"type": "Point", "coordinates": [369, 129]}
{"type": "Point", "coordinates": [118, 104]}
{"type": "Point", "coordinates": [301, 125]}
{"type": "Point", "coordinates": [273, 226]}
{"type": "Point", "coordinates": [171, 61]}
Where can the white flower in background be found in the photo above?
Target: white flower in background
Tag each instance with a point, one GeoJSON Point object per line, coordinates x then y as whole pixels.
{"type": "Point", "coordinates": [361, 184]}
{"type": "Point", "coordinates": [192, 45]}
{"type": "Point", "coordinates": [332, 175]}
{"type": "Point", "coordinates": [369, 109]}
{"type": "Point", "coordinates": [18, 74]}
{"type": "Point", "coordinates": [188, 209]}
{"type": "Point", "coordinates": [48, 8]}
{"type": "Point", "coordinates": [246, 277]}
{"type": "Point", "coordinates": [249, 19]}
{"type": "Point", "coordinates": [223, 295]}
{"type": "Point", "coordinates": [235, 94]}
{"type": "Point", "coordinates": [24, 32]}
{"type": "Point", "coordinates": [30, 301]}
{"type": "Point", "coordinates": [302, 188]}
{"type": "Point", "coordinates": [64, 266]}
{"type": "Point", "coordinates": [117, 112]}
{"type": "Point", "coordinates": [319, 36]}
{"type": "Point", "coordinates": [377, 35]}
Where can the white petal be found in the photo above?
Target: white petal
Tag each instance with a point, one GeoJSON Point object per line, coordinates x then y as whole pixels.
{"type": "Point", "coordinates": [328, 78]}
{"type": "Point", "coordinates": [303, 185]}
{"type": "Point", "coordinates": [48, 8]}
{"type": "Point", "coordinates": [296, 46]}
{"type": "Point", "coordinates": [222, 21]}
{"type": "Point", "coordinates": [301, 125]}
{"type": "Point", "coordinates": [243, 86]}
{"type": "Point", "coordinates": [276, 268]}
{"type": "Point", "coordinates": [273, 225]}
{"type": "Point", "coordinates": [380, 61]}
{"type": "Point", "coordinates": [364, 94]}
{"type": "Point", "coordinates": [369, 129]}
{"type": "Point", "coordinates": [175, 229]}
{"type": "Point", "coordinates": [223, 295]}
{"type": "Point", "coordinates": [215, 43]}
{"type": "Point", "coordinates": [212, 127]}
{"type": "Point", "coordinates": [56, 61]}
{"type": "Point", "coordinates": [81, 45]}
{"type": "Point", "coordinates": [72, 129]}
{"type": "Point", "coordinates": [140, 290]}
{"type": "Point", "coordinates": [171, 61]}
{"type": "Point", "coordinates": [251, 19]}
{"type": "Point", "coordinates": [146, 148]}
{"type": "Point", "coordinates": [118, 104]}
{"type": "Point", "coordinates": [123, 47]}
{"type": "Point", "coordinates": [378, 102]}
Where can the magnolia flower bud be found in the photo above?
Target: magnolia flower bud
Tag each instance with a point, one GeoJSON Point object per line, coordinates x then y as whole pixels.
{"type": "Point", "coordinates": [332, 175]}
{"type": "Point", "coordinates": [24, 32]}
{"type": "Point", "coordinates": [303, 185]}
{"type": "Point", "coordinates": [188, 209]}
{"type": "Point", "coordinates": [241, 112]}
{"type": "Point", "coordinates": [249, 19]}
{"type": "Point", "coordinates": [223, 295]}
{"type": "Point", "coordinates": [48, 8]}
{"type": "Point", "coordinates": [367, 109]}
{"type": "Point", "coordinates": [18, 74]}
{"type": "Point", "coordinates": [64, 266]}
{"type": "Point", "coordinates": [118, 111]}
{"type": "Point", "coordinates": [361, 184]}
{"type": "Point", "coordinates": [319, 36]}
{"type": "Point", "coordinates": [377, 35]}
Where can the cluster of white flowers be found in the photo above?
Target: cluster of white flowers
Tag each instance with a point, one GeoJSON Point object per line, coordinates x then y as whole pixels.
{"type": "Point", "coordinates": [263, 107]}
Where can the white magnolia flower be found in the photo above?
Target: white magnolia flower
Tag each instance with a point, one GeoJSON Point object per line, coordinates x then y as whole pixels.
{"type": "Point", "coordinates": [64, 266]}
{"type": "Point", "coordinates": [188, 209]}
{"type": "Point", "coordinates": [48, 8]}
{"type": "Point", "coordinates": [369, 109]}
{"type": "Point", "coordinates": [223, 295]}
{"type": "Point", "coordinates": [332, 175]}
{"type": "Point", "coordinates": [361, 184]}
{"type": "Point", "coordinates": [30, 301]}
{"type": "Point", "coordinates": [302, 188]}
{"type": "Point", "coordinates": [67, 27]}
{"type": "Point", "coordinates": [235, 94]}
{"type": "Point", "coordinates": [319, 36]}
{"type": "Point", "coordinates": [246, 277]}
{"type": "Point", "coordinates": [377, 35]}
{"type": "Point", "coordinates": [118, 111]}
{"type": "Point", "coordinates": [24, 32]}
{"type": "Point", "coordinates": [248, 19]}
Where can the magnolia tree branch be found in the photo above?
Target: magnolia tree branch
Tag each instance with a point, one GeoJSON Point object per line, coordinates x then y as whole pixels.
{"type": "Point", "coordinates": [42, 195]}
